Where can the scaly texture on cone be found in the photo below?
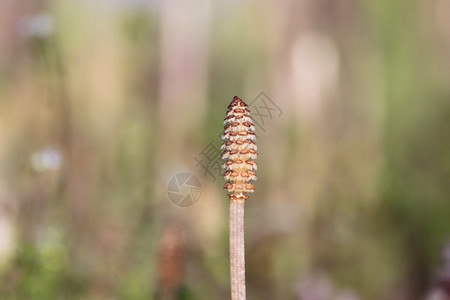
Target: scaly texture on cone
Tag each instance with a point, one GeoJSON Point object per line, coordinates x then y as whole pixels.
{"type": "Point", "coordinates": [239, 151]}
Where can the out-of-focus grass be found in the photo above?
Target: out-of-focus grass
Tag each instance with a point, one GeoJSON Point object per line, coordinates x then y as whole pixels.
{"type": "Point", "coordinates": [102, 103]}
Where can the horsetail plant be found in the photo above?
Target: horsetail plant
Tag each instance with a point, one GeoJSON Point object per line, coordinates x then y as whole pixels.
{"type": "Point", "coordinates": [239, 155]}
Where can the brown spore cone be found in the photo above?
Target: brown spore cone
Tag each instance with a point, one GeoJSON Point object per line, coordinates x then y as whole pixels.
{"type": "Point", "coordinates": [239, 151]}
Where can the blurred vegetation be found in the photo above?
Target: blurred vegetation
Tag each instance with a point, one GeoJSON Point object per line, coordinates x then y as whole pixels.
{"type": "Point", "coordinates": [101, 103]}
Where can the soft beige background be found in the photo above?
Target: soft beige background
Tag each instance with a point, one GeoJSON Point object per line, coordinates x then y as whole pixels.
{"type": "Point", "coordinates": [102, 102]}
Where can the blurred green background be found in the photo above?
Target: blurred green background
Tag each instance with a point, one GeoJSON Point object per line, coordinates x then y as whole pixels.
{"type": "Point", "coordinates": [103, 102]}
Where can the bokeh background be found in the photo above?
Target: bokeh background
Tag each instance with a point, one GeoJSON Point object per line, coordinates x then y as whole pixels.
{"type": "Point", "coordinates": [103, 102]}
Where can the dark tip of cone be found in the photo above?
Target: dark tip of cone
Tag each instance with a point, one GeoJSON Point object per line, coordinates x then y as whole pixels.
{"type": "Point", "coordinates": [238, 101]}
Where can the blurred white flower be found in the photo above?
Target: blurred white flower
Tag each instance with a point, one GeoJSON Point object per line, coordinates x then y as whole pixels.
{"type": "Point", "coordinates": [39, 26]}
{"type": "Point", "coordinates": [47, 159]}
{"type": "Point", "coordinates": [315, 67]}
